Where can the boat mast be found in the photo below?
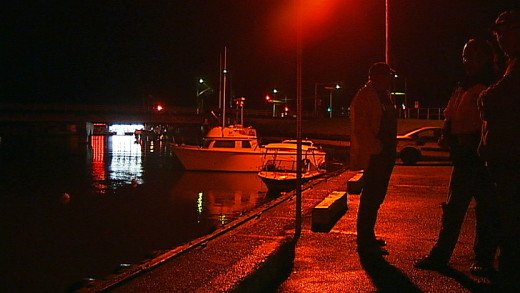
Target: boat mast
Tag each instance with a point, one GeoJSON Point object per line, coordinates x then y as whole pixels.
{"type": "Point", "coordinates": [224, 72]}
{"type": "Point", "coordinates": [220, 82]}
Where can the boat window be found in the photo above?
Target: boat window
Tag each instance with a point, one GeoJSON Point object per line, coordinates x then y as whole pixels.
{"type": "Point", "coordinates": [246, 144]}
{"type": "Point", "coordinates": [270, 166]}
{"type": "Point", "coordinates": [287, 166]}
{"type": "Point", "coordinates": [224, 144]}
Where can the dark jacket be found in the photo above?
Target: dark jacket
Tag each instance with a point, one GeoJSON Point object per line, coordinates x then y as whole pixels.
{"type": "Point", "coordinates": [499, 107]}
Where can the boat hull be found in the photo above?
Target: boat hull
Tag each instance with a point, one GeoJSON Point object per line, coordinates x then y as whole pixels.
{"type": "Point", "coordinates": [195, 158]}
{"type": "Point", "coordinates": [284, 181]}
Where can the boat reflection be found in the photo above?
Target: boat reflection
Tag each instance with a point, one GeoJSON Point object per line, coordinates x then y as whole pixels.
{"type": "Point", "coordinates": [222, 196]}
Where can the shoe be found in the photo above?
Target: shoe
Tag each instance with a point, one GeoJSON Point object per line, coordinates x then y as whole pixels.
{"type": "Point", "coordinates": [480, 270]}
{"type": "Point", "coordinates": [372, 250]}
{"type": "Point", "coordinates": [430, 263]}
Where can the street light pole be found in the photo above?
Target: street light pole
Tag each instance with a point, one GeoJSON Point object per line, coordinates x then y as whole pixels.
{"type": "Point", "coordinates": [328, 86]}
{"type": "Point", "coordinates": [387, 34]}
{"type": "Point", "coordinates": [275, 91]}
{"type": "Point", "coordinates": [330, 104]}
{"type": "Point", "coordinates": [200, 92]}
{"type": "Point", "coordinates": [315, 100]}
{"type": "Point", "coordinates": [299, 53]}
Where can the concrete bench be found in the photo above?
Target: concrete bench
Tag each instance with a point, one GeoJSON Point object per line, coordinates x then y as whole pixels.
{"type": "Point", "coordinates": [355, 183]}
{"type": "Point", "coordinates": [327, 212]}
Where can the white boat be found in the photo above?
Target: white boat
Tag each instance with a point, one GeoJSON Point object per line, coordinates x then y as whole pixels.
{"type": "Point", "coordinates": [279, 164]}
{"type": "Point", "coordinates": [232, 148]}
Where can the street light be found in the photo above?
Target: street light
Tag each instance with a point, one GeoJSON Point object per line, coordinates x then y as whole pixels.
{"type": "Point", "coordinates": [202, 88]}
{"type": "Point", "coordinates": [275, 91]}
{"type": "Point", "coordinates": [274, 101]}
{"type": "Point", "coordinates": [331, 86]}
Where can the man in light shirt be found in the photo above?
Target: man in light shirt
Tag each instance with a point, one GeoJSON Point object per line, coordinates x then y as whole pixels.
{"type": "Point", "coordinates": [373, 149]}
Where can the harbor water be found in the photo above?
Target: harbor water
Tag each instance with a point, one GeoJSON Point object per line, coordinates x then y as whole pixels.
{"type": "Point", "coordinates": [72, 210]}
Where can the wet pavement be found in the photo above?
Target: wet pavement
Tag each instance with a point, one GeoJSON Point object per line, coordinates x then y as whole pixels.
{"type": "Point", "coordinates": [409, 221]}
{"type": "Point", "coordinates": [260, 254]}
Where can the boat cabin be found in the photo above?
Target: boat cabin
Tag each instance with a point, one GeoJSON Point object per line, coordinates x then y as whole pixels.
{"type": "Point", "coordinates": [234, 136]}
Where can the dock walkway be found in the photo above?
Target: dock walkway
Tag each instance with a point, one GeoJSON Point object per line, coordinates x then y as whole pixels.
{"type": "Point", "coordinates": [261, 254]}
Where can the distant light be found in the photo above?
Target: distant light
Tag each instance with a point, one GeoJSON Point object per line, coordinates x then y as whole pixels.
{"type": "Point", "coordinates": [329, 109]}
{"type": "Point", "coordinates": [338, 86]}
{"type": "Point", "coordinates": [267, 98]}
{"type": "Point", "coordinates": [224, 71]}
{"type": "Point", "coordinates": [275, 91]}
{"type": "Point", "coordinates": [200, 206]}
{"type": "Point", "coordinates": [223, 219]}
{"type": "Point", "coordinates": [201, 81]}
{"type": "Point", "coordinates": [160, 108]}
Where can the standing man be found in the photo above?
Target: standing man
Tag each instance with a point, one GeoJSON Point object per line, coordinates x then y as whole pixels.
{"type": "Point", "coordinates": [373, 149]}
{"type": "Point", "coordinates": [499, 107]}
{"type": "Point", "coordinates": [469, 178]}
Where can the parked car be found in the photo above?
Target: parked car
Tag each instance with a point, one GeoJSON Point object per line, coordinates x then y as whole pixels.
{"type": "Point", "coordinates": [420, 145]}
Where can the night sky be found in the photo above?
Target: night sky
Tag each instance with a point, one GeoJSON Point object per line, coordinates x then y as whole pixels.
{"type": "Point", "coordinates": [142, 52]}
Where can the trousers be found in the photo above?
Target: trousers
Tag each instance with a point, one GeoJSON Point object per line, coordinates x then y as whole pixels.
{"type": "Point", "coordinates": [507, 178]}
{"type": "Point", "coordinates": [376, 179]}
{"type": "Point", "coordinates": [469, 180]}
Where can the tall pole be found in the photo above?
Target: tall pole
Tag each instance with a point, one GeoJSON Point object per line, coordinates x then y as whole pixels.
{"type": "Point", "coordinates": [387, 34]}
{"type": "Point", "coordinates": [224, 71]}
{"type": "Point", "coordinates": [197, 97]}
{"type": "Point", "coordinates": [330, 103]}
{"type": "Point", "coordinates": [242, 115]}
{"type": "Point", "coordinates": [299, 53]}
{"type": "Point", "coordinates": [315, 100]}
{"type": "Point", "coordinates": [220, 83]}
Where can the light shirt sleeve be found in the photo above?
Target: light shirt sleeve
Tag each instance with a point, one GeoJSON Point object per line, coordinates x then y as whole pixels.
{"type": "Point", "coordinates": [365, 126]}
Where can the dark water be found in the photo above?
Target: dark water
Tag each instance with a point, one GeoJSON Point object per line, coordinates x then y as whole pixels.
{"type": "Point", "coordinates": [71, 211]}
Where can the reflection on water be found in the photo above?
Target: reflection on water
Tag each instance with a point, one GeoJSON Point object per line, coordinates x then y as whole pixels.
{"type": "Point", "coordinates": [117, 160]}
{"type": "Point", "coordinates": [222, 196]}
{"type": "Point", "coordinates": [126, 199]}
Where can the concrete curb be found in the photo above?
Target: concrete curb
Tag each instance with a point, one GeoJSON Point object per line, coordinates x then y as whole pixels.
{"type": "Point", "coordinates": [326, 213]}
{"type": "Point", "coordinates": [355, 184]}
{"type": "Point", "coordinates": [262, 271]}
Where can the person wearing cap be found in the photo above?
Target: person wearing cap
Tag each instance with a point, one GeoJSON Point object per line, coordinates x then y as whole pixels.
{"type": "Point", "coordinates": [499, 107]}
{"type": "Point", "coordinates": [373, 149]}
{"type": "Point", "coordinates": [469, 178]}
